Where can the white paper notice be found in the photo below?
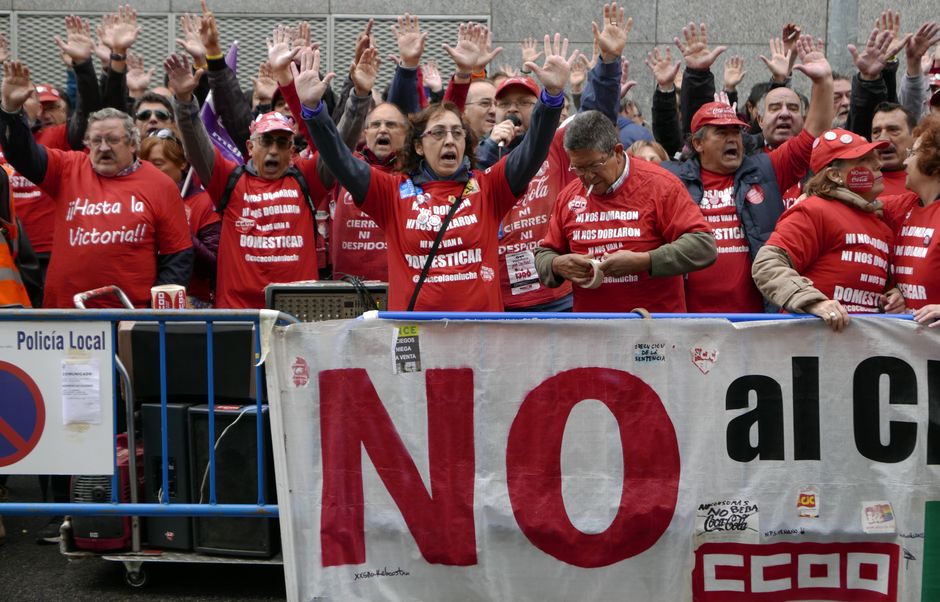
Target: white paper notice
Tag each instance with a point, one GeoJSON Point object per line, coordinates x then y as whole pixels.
{"type": "Point", "coordinates": [81, 392]}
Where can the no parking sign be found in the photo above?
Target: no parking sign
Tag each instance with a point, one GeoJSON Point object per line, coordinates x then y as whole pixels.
{"type": "Point", "coordinates": [56, 398]}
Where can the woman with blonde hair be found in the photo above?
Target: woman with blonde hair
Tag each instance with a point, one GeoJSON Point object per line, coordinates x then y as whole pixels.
{"type": "Point", "coordinates": [648, 149]}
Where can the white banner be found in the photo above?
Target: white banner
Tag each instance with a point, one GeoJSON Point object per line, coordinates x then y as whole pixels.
{"type": "Point", "coordinates": [56, 398]}
{"type": "Point", "coordinates": [659, 460]}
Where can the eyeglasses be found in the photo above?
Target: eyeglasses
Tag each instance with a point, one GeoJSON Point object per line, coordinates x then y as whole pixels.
{"type": "Point", "coordinates": [389, 125]}
{"type": "Point", "coordinates": [109, 140]}
{"type": "Point", "coordinates": [519, 104]}
{"type": "Point", "coordinates": [486, 103]}
{"type": "Point", "coordinates": [145, 115]}
{"type": "Point", "coordinates": [580, 171]}
{"type": "Point", "coordinates": [282, 142]}
{"type": "Point", "coordinates": [440, 132]}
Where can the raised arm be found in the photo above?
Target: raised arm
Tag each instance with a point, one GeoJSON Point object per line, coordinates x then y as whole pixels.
{"type": "Point", "coordinates": [19, 146]}
{"type": "Point", "coordinates": [868, 85]}
{"type": "Point", "coordinates": [602, 92]}
{"type": "Point", "coordinates": [472, 54]}
{"type": "Point", "coordinates": [403, 90]}
{"type": "Point", "coordinates": [230, 103]}
{"type": "Point", "coordinates": [526, 159]}
{"type": "Point", "coordinates": [698, 84]}
{"type": "Point", "coordinates": [78, 47]}
{"type": "Point", "coordinates": [195, 139]}
{"type": "Point", "coordinates": [666, 128]}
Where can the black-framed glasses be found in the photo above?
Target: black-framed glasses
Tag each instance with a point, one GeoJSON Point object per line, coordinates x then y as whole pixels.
{"type": "Point", "coordinates": [389, 125]}
{"type": "Point", "coordinates": [580, 171]}
{"type": "Point", "coordinates": [159, 113]}
{"type": "Point", "coordinates": [282, 142]}
{"type": "Point", "coordinates": [440, 132]}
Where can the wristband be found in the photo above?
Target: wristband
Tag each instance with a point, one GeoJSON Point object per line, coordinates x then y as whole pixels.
{"type": "Point", "coordinates": [210, 57]}
{"type": "Point", "coordinates": [201, 66]}
{"type": "Point", "coordinates": [308, 113]}
{"type": "Point", "coordinates": [115, 56]}
{"type": "Point", "coordinates": [463, 75]}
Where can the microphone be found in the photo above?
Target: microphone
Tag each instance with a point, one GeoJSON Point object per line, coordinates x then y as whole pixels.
{"type": "Point", "coordinates": [515, 121]}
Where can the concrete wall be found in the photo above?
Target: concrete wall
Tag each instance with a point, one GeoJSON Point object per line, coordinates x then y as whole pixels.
{"type": "Point", "coordinates": [745, 26]}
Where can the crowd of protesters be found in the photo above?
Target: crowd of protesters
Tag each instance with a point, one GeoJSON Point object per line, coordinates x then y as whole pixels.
{"type": "Point", "coordinates": [537, 187]}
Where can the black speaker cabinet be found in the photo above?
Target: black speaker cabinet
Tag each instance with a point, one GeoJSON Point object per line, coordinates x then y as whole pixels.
{"type": "Point", "coordinates": [171, 532]}
{"type": "Point", "coordinates": [236, 475]}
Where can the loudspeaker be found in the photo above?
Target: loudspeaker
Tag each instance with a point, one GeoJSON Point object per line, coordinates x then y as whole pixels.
{"type": "Point", "coordinates": [326, 299]}
{"type": "Point", "coordinates": [236, 472]}
{"type": "Point", "coordinates": [173, 532]}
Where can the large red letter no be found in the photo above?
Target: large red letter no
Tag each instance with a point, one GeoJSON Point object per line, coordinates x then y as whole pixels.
{"type": "Point", "coordinates": [351, 417]}
{"type": "Point", "coordinates": [650, 467]}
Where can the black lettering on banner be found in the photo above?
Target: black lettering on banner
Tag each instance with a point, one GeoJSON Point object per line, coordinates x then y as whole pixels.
{"type": "Point", "coordinates": [933, 405]}
{"type": "Point", "coordinates": [805, 408]}
{"type": "Point", "coordinates": [767, 414]}
{"type": "Point", "coordinates": [902, 390]}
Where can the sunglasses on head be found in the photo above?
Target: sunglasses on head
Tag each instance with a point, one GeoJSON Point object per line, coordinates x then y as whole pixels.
{"type": "Point", "coordinates": [146, 113]}
{"type": "Point", "coordinates": [164, 134]}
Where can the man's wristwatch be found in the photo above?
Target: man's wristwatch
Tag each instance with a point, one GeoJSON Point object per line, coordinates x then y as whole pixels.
{"type": "Point", "coordinates": [116, 56]}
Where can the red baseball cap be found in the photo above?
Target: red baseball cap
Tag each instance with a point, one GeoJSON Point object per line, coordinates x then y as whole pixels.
{"type": "Point", "coordinates": [840, 144]}
{"type": "Point", "coordinates": [272, 122]}
{"type": "Point", "coordinates": [47, 93]}
{"type": "Point", "coordinates": [518, 82]}
{"type": "Point", "coordinates": [715, 113]}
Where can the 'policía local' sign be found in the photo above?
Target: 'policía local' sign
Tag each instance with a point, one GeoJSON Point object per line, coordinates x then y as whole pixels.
{"type": "Point", "coordinates": [56, 398]}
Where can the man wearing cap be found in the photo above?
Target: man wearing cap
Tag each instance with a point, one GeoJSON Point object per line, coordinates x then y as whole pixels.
{"type": "Point", "coordinates": [267, 205]}
{"type": "Point", "coordinates": [742, 196]}
{"type": "Point", "coordinates": [118, 220]}
{"type": "Point", "coordinates": [515, 98]}
{"type": "Point", "coordinates": [829, 255]}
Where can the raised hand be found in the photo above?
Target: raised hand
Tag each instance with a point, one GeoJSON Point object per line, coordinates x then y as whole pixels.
{"type": "Point", "coordinates": [530, 50]}
{"type": "Point", "coordinates": [872, 60]}
{"type": "Point", "coordinates": [364, 40]}
{"type": "Point", "coordinates": [926, 36]}
{"type": "Point", "coordinates": [663, 67]}
{"type": "Point", "coordinates": [410, 40]}
{"type": "Point", "coordinates": [734, 73]}
{"type": "Point", "coordinates": [264, 86]}
{"type": "Point", "coordinates": [813, 63]}
{"type": "Point", "coordinates": [431, 76]}
{"type": "Point", "coordinates": [611, 40]}
{"type": "Point", "coordinates": [102, 50]}
{"type": "Point", "coordinates": [470, 54]}
{"type": "Point", "coordinates": [180, 77]}
{"type": "Point", "coordinates": [209, 31]}
{"type": "Point", "coordinates": [280, 53]}
{"type": "Point", "coordinates": [364, 72]}
{"type": "Point", "coordinates": [578, 74]}
{"type": "Point", "coordinates": [138, 79]}
{"type": "Point", "coordinates": [16, 87]}
{"type": "Point", "coordinates": [120, 32]}
{"type": "Point", "coordinates": [626, 84]}
{"type": "Point", "coordinates": [554, 72]}
{"type": "Point", "coordinates": [890, 20]}
{"type": "Point", "coordinates": [191, 25]}
{"type": "Point", "coordinates": [4, 47]}
{"type": "Point", "coordinates": [694, 47]}
{"type": "Point", "coordinates": [77, 45]}
{"type": "Point", "coordinates": [779, 62]}
{"type": "Point", "coordinates": [300, 35]}
{"type": "Point", "coordinates": [310, 88]}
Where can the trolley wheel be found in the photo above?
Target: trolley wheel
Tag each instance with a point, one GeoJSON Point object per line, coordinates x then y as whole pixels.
{"type": "Point", "coordinates": [136, 578]}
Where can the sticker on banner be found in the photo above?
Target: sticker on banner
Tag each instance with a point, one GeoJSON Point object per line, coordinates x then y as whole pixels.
{"type": "Point", "coordinates": [704, 357]}
{"type": "Point", "coordinates": [807, 502]}
{"type": "Point", "coordinates": [728, 520]}
{"type": "Point", "coordinates": [649, 353]}
{"type": "Point", "coordinates": [878, 517]}
{"type": "Point", "coordinates": [300, 372]}
{"type": "Point", "coordinates": [407, 351]}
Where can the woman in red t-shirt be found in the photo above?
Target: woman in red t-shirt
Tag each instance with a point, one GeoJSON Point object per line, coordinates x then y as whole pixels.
{"type": "Point", "coordinates": [915, 218]}
{"type": "Point", "coordinates": [828, 255]}
{"type": "Point", "coordinates": [437, 173]}
{"type": "Point", "coordinates": [164, 150]}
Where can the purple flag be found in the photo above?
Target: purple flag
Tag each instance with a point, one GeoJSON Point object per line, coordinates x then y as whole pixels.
{"type": "Point", "coordinates": [217, 132]}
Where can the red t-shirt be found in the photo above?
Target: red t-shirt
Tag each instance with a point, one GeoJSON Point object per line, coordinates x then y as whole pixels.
{"type": "Point", "coordinates": [523, 228]}
{"type": "Point", "coordinates": [35, 208]}
{"type": "Point", "coordinates": [707, 291]}
{"type": "Point", "coordinates": [649, 209]}
{"type": "Point", "coordinates": [843, 250]}
{"type": "Point", "coordinates": [915, 261]}
{"type": "Point", "coordinates": [463, 276]}
{"type": "Point", "coordinates": [895, 182]}
{"type": "Point", "coordinates": [109, 230]}
{"type": "Point", "coordinates": [200, 212]}
{"type": "Point", "coordinates": [267, 232]}
{"type": "Point", "coordinates": [357, 243]}
{"type": "Point", "coordinates": [54, 136]}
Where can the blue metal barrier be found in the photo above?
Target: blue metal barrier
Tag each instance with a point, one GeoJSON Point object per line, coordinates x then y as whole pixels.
{"type": "Point", "coordinates": [163, 507]}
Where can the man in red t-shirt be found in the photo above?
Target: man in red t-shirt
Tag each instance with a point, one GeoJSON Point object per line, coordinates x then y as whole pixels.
{"type": "Point", "coordinates": [118, 220]}
{"type": "Point", "coordinates": [625, 231]}
{"type": "Point", "coordinates": [268, 228]}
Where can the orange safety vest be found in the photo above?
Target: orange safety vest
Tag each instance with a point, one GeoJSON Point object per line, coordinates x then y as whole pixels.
{"type": "Point", "coordinates": [12, 291]}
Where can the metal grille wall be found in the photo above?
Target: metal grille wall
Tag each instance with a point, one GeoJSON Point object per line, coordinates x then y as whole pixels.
{"type": "Point", "coordinates": [32, 41]}
{"type": "Point", "coordinates": [440, 30]}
